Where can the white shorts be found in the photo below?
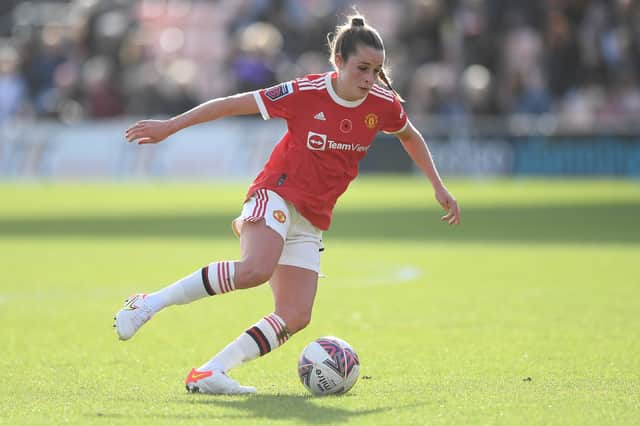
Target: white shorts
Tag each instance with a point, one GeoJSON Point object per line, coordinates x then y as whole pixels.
{"type": "Point", "coordinates": [302, 240]}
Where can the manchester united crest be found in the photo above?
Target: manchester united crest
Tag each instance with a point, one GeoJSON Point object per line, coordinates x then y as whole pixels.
{"type": "Point", "coordinates": [279, 216]}
{"type": "Point", "coordinates": [371, 120]}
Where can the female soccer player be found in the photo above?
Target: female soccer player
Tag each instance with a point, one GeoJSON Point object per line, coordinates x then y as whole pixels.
{"type": "Point", "coordinates": [332, 120]}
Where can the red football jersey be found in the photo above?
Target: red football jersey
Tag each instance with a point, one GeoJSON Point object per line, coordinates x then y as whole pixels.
{"type": "Point", "coordinates": [327, 136]}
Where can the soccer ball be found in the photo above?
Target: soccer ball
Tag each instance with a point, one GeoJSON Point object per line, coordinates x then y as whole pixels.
{"type": "Point", "coordinates": [328, 365]}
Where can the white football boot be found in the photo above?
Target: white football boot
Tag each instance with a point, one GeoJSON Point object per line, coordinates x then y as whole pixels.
{"type": "Point", "coordinates": [215, 382]}
{"type": "Point", "coordinates": [132, 316]}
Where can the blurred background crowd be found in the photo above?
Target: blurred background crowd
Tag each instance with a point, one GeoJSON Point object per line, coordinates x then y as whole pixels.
{"type": "Point", "coordinates": [578, 60]}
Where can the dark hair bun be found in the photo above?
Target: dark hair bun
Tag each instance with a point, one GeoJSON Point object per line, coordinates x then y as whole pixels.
{"type": "Point", "coordinates": [358, 21]}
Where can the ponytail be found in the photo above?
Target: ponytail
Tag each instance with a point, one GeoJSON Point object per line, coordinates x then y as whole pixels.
{"type": "Point", "coordinates": [385, 80]}
{"type": "Point", "coordinates": [347, 37]}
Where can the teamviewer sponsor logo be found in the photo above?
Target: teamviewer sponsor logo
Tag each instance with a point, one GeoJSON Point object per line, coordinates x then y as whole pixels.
{"type": "Point", "coordinates": [316, 141]}
{"type": "Point", "coordinates": [319, 142]}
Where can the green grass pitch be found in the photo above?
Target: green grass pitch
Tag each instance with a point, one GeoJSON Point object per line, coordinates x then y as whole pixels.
{"type": "Point", "coordinates": [528, 313]}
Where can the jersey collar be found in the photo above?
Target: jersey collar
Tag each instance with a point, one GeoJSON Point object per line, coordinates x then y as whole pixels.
{"type": "Point", "coordinates": [337, 99]}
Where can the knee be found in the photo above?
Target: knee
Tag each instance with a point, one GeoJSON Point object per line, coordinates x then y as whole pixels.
{"type": "Point", "coordinates": [296, 321]}
{"type": "Point", "coordinates": [251, 274]}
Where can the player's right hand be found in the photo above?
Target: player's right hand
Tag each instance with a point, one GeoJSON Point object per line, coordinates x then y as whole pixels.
{"type": "Point", "coordinates": [148, 131]}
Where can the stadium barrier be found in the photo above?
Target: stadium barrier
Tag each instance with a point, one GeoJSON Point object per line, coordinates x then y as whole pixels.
{"type": "Point", "coordinates": [584, 155]}
{"type": "Point", "coordinates": [238, 147]}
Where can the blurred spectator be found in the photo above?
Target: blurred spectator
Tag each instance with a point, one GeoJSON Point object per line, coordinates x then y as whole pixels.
{"type": "Point", "coordinates": [433, 90]}
{"type": "Point", "coordinates": [43, 54]}
{"type": "Point", "coordinates": [103, 98]}
{"type": "Point", "coordinates": [74, 59]}
{"type": "Point", "coordinates": [528, 94]}
{"type": "Point", "coordinates": [12, 84]}
{"type": "Point", "coordinates": [254, 64]}
{"type": "Point", "coordinates": [563, 55]}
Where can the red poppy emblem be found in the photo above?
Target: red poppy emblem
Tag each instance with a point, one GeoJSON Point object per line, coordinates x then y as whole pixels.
{"type": "Point", "coordinates": [346, 125]}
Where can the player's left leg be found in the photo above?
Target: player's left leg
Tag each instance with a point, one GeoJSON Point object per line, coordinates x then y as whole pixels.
{"type": "Point", "coordinates": [294, 283]}
{"type": "Point", "coordinates": [294, 291]}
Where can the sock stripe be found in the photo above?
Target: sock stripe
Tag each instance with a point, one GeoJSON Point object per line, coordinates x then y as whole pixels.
{"type": "Point", "coordinates": [278, 328]}
{"type": "Point", "coordinates": [227, 281]}
{"type": "Point", "coordinates": [220, 277]}
{"type": "Point", "coordinates": [258, 336]}
{"type": "Point", "coordinates": [224, 277]}
{"type": "Point", "coordinates": [206, 282]}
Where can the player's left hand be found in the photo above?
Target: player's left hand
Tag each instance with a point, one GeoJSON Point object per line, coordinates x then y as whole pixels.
{"type": "Point", "coordinates": [450, 204]}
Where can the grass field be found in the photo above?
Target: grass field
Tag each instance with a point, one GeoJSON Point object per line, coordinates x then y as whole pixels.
{"type": "Point", "coordinates": [528, 313]}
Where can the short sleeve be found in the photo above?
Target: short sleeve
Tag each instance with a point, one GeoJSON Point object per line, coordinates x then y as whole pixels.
{"type": "Point", "coordinates": [395, 120]}
{"type": "Point", "coordinates": [277, 101]}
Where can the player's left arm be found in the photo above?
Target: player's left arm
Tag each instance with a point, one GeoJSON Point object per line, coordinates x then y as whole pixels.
{"type": "Point", "coordinates": [415, 145]}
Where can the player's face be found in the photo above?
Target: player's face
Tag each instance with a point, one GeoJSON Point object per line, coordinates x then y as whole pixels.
{"type": "Point", "coordinates": [357, 75]}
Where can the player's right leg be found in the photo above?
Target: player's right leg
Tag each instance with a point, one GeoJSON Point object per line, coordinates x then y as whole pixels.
{"type": "Point", "coordinates": [294, 283]}
{"type": "Point", "coordinates": [258, 244]}
{"type": "Point", "coordinates": [261, 247]}
{"type": "Point", "coordinates": [294, 291]}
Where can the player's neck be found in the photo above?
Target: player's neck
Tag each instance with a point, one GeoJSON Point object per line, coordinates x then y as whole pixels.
{"type": "Point", "coordinates": [341, 93]}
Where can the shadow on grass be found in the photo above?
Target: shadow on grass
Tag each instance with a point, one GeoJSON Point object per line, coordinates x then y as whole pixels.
{"type": "Point", "coordinates": [575, 223]}
{"type": "Point", "coordinates": [185, 416]}
{"type": "Point", "coordinates": [301, 409]}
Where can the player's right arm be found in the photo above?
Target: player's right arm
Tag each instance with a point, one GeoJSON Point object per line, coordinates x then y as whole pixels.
{"type": "Point", "coordinates": [154, 131]}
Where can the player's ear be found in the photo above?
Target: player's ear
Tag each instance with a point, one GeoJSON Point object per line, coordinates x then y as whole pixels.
{"type": "Point", "coordinates": [338, 61]}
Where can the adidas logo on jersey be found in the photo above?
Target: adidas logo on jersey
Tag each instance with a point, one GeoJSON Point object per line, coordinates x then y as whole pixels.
{"type": "Point", "coordinates": [320, 116]}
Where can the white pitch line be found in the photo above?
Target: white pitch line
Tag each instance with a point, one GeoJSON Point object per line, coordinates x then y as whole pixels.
{"type": "Point", "coordinates": [392, 276]}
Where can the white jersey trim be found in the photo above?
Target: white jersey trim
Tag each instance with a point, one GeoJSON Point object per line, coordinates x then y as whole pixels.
{"type": "Point", "coordinates": [305, 88]}
{"type": "Point", "coordinates": [305, 84]}
{"type": "Point", "coordinates": [382, 90]}
{"type": "Point", "coordinates": [316, 81]}
{"type": "Point", "coordinates": [382, 93]}
{"type": "Point", "coordinates": [311, 85]}
{"type": "Point", "coordinates": [337, 99]}
{"type": "Point", "coordinates": [261, 106]}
